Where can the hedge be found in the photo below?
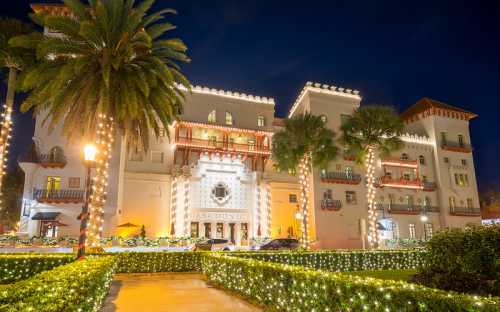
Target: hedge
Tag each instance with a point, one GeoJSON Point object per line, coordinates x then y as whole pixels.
{"type": "Point", "coordinates": [293, 288]}
{"type": "Point", "coordinates": [149, 262]}
{"type": "Point", "coordinates": [78, 286]}
{"type": "Point", "coordinates": [342, 261]}
{"type": "Point", "coordinates": [14, 268]}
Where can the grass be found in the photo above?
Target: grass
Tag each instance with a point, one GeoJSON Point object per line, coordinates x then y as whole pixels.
{"type": "Point", "coordinates": [395, 275]}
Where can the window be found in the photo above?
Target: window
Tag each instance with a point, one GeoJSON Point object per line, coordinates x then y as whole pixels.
{"type": "Point", "coordinates": [323, 118]}
{"type": "Point", "coordinates": [466, 180]}
{"type": "Point", "coordinates": [404, 156]}
{"type": "Point", "coordinates": [350, 197]}
{"type": "Point", "coordinates": [464, 162]}
{"type": "Point", "coordinates": [157, 157]}
{"type": "Point", "coordinates": [161, 132]}
{"type": "Point", "coordinates": [461, 140]}
{"type": "Point", "coordinates": [56, 154]}
{"type": "Point", "coordinates": [220, 230]}
{"type": "Point", "coordinates": [470, 203]}
{"type": "Point", "coordinates": [452, 202]}
{"type": "Point", "coordinates": [53, 183]}
{"type": "Point", "coordinates": [421, 159]}
{"type": "Point", "coordinates": [344, 118]}
{"type": "Point", "coordinates": [412, 231]}
{"type": "Point", "coordinates": [220, 193]}
{"type": "Point", "coordinates": [251, 145]}
{"type": "Point", "coordinates": [327, 195]}
{"type": "Point", "coordinates": [407, 176]}
{"type": "Point", "coordinates": [229, 118]}
{"type": "Point", "coordinates": [348, 172]}
{"type": "Point", "coordinates": [427, 201]}
{"type": "Point", "coordinates": [443, 138]}
{"type": "Point", "coordinates": [74, 182]}
{"type": "Point", "coordinates": [194, 229]}
{"type": "Point", "coordinates": [292, 171]}
{"type": "Point", "coordinates": [392, 199]}
{"type": "Point", "coordinates": [429, 231]}
{"type": "Point", "coordinates": [395, 230]}
{"type": "Point", "coordinates": [261, 121]}
{"type": "Point", "coordinates": [446, 160]}
{"type": "Point", "coordinates": [409, 200]}
{"type": "Point", "coordinates": [292, 198]}
{"type": "Point", "coordinates": [212, 118]}
{"type": "Point", "coordinates": [424, 179]}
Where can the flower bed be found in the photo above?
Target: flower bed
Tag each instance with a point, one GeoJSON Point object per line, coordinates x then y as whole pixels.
{"type": "Point", "coordinates": [135, 262]}
{"type": "Point", "coordinates": [293, 288]}
{"type": "Point", "coordinates": [78, 286]}
{"type": "Point", "coordinates": [341, 261]}
{"type": "Point", "coordinates": [16, 267]}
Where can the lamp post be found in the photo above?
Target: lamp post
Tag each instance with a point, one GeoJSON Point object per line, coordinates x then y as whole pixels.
{"type": "Point", "coordinates": [89, 153]}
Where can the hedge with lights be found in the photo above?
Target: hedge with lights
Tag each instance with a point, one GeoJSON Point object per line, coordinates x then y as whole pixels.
{"type": "Point", "coordinates": [284, 287]}
{"type": "Point", "coordinates": [341, 261]}
{"type": "Point", "coordinates": [14, 267]}
{"type": "Point", "coordinates": [135, 262]}
{"type": "Point", "coordinates": [78, 286]}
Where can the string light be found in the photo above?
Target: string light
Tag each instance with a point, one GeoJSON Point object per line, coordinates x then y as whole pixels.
{"type": "Point", "coordinates": [5, 130]}
{"type": "Point", "coordinates": [173, 211]}
{"type": "Point", "coordinates": [304, 170]}
{"type": "Point", "coordinates": [373, 235]}
{"type": "Point", "coordinates": [104, 144]}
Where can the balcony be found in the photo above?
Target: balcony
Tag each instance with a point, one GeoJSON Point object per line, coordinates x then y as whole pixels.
{"type": "Point", "coordinates": [208, 144]}
{"type": "Point", "coordinates": [465, 211]}
{"type": "Point", "coordinates": [407, 209]}
{"type": "Point", "coordinates": [388, 181]}
{"type": "Point", "coordinates": [429, 186]}
{"type": "Point", "coordinates": [349, 156]}
{"type": "Point", "coordinates": [52, 161]}
{"type": "Point", "coordinates": [58, 196]}
{"type": "Point", "coordinates": [456, 147]}
{"type": "Point", "coordinates": [331, 204]}
{"type": "Point", "coordinates": [397, 162]}
{"type": "Point", "coordinates": [340, 178]}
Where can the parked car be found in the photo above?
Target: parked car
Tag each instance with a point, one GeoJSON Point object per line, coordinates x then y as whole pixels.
{"type": "Point", "coordinates": [214, 244]}
{"type": "Point", "coordinates": [281, 244]}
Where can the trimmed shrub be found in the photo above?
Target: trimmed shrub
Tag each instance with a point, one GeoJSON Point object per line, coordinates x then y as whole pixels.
{"type": "Point", "coordinates": [464, 260]}
{"type": "Point", "coordinates": [136, 262]}
{"type": "Point", "coordinates": [342, 261]}
{"type": "Point", "coordinates": [78, 286]}
{"type": "Point", "coordinates": [14, 267]}
{"type": "Point", "coordinates": [293, 288]}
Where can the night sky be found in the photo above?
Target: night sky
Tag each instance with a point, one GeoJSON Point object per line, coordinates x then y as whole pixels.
{"type": "Point", "coordinates": [394, 52]}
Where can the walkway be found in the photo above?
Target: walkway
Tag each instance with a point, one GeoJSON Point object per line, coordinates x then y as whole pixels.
{"type": "Point", "coordinates": [179, 292]}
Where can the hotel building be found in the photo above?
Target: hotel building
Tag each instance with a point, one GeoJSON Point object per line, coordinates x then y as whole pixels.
{"type": "Point", "coordinates": [214, 177]}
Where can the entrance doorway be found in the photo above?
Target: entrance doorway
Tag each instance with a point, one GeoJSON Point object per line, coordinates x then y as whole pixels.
{"type": "Point", "coordinates": [208, 230]}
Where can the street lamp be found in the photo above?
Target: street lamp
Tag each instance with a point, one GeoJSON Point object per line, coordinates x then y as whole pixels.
{"type": "Point", "coordinates": [89, 155]}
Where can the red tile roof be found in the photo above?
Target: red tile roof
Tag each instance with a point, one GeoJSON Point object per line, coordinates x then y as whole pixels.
{"type": "Point", "coordinates": [434, 107]}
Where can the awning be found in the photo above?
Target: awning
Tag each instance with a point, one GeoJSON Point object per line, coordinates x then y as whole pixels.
{"type": "Point", "coordinates": [45, 216]}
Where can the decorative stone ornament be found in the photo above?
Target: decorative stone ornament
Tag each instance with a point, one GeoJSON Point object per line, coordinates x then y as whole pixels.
{"type": "Point", "coordinates": [221, 193]}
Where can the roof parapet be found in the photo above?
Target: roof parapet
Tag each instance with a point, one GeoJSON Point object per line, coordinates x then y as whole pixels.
{"type": "Point", "coordinates": [230, 94]}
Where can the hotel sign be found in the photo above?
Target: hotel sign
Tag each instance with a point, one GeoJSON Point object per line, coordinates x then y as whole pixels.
{"type": "Point", "coordinates": [220, 216]}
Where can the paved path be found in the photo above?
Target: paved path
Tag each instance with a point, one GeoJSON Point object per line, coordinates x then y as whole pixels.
{"type": "Point", "coordinates": [179, 292]}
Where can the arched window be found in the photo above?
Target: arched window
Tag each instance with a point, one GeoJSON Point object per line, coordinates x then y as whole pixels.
{"type": "Point", "coordinates": [229, 118]}
{"type": "Point", "coordinates": [212, 117]}
{"type": "Point", "coordinates": [261, 121]}
{"type": "Point", "coordinates": [421, 159]}
{"type": "Point", "coordinates": [56, 154]}
{"type": "Point", "coordinates": [348, 172]}
{"type": "Point", "coordinates": [404, 156]}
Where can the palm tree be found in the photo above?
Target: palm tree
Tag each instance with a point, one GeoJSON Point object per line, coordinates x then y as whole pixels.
{"type": "Point", "coordinates": [369, 131]}
{"type": "Point", "coordinates": [108, 67]}
{"type": "Point", "coordinates": [14, 60]}
{"type": "Point", "coordinates": [304, 143]}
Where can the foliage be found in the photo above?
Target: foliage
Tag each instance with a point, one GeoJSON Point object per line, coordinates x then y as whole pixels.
{"type": "Point", "coordinates": [405, 243]}
{"type": "Point", "coordinates": [395, 275]}
{"type": "Point", "coordinates": [135, 262]}
{"type": "Point", "coordinates": [342, 261]}
{"type": "Point", "coordinates": [294, 288]}
{"type": "Point", "coordinates": [303, 134]}
{"type": "Point", "coordinates": [12, 56]}
{"type": "Point", "coordinates": [78, 286]}
{"type": "Point", "coordinates": [111, 59]}
{"type": "Point", "coordinates": [464, 260]}
{"type": "Point", "coordinates": [12, 191]}
{"type": "Point", "coordinates": [22, 266]}
{"type": "Point", "coordinates": [376, 126]}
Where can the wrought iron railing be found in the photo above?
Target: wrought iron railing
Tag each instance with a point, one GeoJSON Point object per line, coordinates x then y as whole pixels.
{"type": "Point", "coordinates": [393, 182]}
{"type": "Point", "coordinates": [465, 211]}
{"type": "Point", "coordinates": [229, 146]}
{"type": "Point", "coordinates": [331, 204]}
{"type": "Point", "coordinates": [340, 177]}
{"type": "Point", "coordinates": [456, 146]}
{"type": "Point", "coordinates": [51, 160]}
{"type": "Point", "coordinates": [407, 209]}
{"type": "Point", "coordinates": [56, 196]}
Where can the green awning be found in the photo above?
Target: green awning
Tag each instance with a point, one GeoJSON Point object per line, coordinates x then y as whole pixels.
{"type": "Point", "coordinates": [45, 216]}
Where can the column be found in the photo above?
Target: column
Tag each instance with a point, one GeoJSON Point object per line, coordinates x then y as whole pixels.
{"type": "Point", "coordinates": [226, 231]}
{"type": "Point", "coordinates": [213, 230]}
{"type": "Point", "coordinates": [201, 229]}
{"type": "Point", "coordinates": [237, 238]}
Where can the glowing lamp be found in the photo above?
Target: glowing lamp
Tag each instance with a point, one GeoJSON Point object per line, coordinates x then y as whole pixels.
{"type": "Point", "coordinates": [89, 152]}
{"type": "Point", "coordinates": [298, 215]}
{"type": "Point", "coordinates": [424, 218]}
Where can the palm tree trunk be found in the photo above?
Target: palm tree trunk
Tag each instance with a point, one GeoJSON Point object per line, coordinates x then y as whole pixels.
{"type": "Point", "coordinates": [304, 170]}
{"type": "Point", "coordinates": [373, 236]}
{"type": "Point", "coordinates": [104, 144]}
{"type": "Point", "coordinates": [7, 123]}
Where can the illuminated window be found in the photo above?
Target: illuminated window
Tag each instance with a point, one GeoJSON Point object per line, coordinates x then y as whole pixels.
{"type": "Point", "coordinates": [53, 183]}
{"type": "Point", "coordinates": [348, 172]}
{"type": "Point", "coordinates": [412, 231]}
{"type": "Point", "coordinates": [251, 145]}
{"type": "Point", "coordinates": [74, 182]}
{"type": "Point", "coordinates": [429, 231]}
{"type": "Point", "coordinates": [421, 159]}
{"type": "Point", "coordinates": [212, 118]}
{"type": "Point", "coordinates": [161, 132]}
{"type": "Point", "coordinates": [229, 118]}
{"type": "Point", "coordinates": [261, 121]}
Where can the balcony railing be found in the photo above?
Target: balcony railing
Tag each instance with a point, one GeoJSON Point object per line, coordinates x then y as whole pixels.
{"type": "Point", "coordinates": [398, 162]}
{"type": "Point", "coordinates": [465, 211]}
{"type": "Point", "coordinates": [407, 209]}
{"type": "Point", "coordinates": [331, 204]}
{"type": "Point", "coordinates": [429, 186]}
{"type": "Point", "coordinates": [340, 177]}
{"type": "Point", "coordinates": [222, 145]}
{"type": "Point", "coordinates": [388, 181]}
{"type": "Point", "coordinates": [456, 146]}
{"type": "Point", "coordinates": [58, 196]}
{"type": "Point", "coordinates": [51, 161]}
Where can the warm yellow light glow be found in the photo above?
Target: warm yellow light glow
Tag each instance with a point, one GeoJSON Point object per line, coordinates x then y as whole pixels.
{"type": "Point", "coordinates": [89, 151]}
